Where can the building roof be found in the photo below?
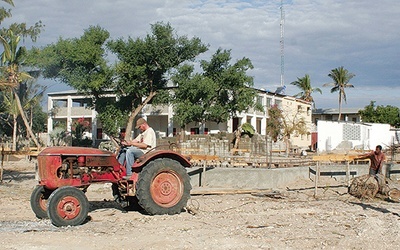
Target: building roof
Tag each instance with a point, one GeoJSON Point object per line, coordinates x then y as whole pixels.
{"type": "Point", "coordinates": [332, 111]}
{"type": "Point", "coordinates": [65, 92]}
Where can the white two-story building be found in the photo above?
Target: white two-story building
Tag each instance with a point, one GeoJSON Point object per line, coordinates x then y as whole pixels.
{"type": "Point", "coordinates": [66, 107]}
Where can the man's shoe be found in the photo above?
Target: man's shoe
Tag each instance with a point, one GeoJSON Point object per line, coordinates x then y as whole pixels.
{"type": "Point", "coordinates": [128, 177]}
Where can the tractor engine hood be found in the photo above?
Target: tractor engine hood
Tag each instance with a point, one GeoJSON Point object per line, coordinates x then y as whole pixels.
{"type": "Point", "coordinates": [74, 151]}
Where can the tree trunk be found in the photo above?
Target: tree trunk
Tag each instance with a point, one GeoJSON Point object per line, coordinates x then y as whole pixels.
{"type": "Point", "coordinates": [238, 134]}
{"type": "Point", "coordinates": [365, 186]}
{"type": "Point", "coordinates": [133, 115]}
{"type": "Point", "coordinates": [28, 128]}
{"type": "Point", "coordinates": [14, 137]}
{"type": "Point", "coordinates": [340, 105]}
{"type": "Point", "coordinates": [287, 143]}
{"type": "Point", "coordinates": [182, 134]}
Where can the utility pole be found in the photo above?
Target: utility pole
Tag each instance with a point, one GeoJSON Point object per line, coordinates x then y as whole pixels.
{"type": "Point", "coordinates": [282, 23]}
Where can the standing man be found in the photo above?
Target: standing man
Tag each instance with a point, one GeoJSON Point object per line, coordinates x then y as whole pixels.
{"type": "Point", "coordinates": [377, 159]}
{"type": "Point", "coordinates": [145, 141]}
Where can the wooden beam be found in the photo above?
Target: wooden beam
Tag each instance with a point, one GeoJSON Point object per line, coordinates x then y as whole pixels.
{"type": "Point", "coordinates": [334, 157]}
{"type": "Point", "coordinates": [201, 191]}
{"type": "Point", "coordinates": [203, 157]}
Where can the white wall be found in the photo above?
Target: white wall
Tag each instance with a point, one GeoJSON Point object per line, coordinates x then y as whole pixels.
{"type": "Point", "coordinates": [380, 135]}
{"type": "Point", "coordinates": [365, 136]}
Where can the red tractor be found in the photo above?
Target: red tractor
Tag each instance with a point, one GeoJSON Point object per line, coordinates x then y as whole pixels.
{"type": "Point", "coordinates": [160, 183]}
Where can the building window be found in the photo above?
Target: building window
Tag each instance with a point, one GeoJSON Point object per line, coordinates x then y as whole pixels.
{"type": "Point", "coordinates": [269, 101]}
{"type": "Point", "coordinates": [60, 104]}
{"type": "Point", "coordinates": [258, 126]}
{"type": "Point", "coordinates": [260, 100]}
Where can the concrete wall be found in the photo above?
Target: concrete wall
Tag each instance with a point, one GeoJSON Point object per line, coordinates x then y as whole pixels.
{"type": "Point", "coordinates": [261, 178]}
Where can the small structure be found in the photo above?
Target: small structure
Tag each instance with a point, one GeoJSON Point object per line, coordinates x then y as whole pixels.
{"type": "Point", "coordinates": [342, 136]}
{"type": "Point", "coordinates": [331, 114]}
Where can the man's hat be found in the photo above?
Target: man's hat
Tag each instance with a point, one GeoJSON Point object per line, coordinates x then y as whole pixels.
{"type": "Point", "coordinates": [139, 122]}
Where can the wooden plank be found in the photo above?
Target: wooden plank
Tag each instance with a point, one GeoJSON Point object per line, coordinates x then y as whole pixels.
{"type": "Point", "coordinates": [316, 181]}
{"type": "Point", "coordinates": [241, 149]}
{"type": "Point", "coordinates": [203, 157]}
{"type": "Point", "coordinates": [201, 191]}
{"type": "Point", "coordinates": [334, 157]}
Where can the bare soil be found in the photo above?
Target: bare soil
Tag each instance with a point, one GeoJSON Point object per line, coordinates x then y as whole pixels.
{"type": "Point", "coordinates": [291, 219]}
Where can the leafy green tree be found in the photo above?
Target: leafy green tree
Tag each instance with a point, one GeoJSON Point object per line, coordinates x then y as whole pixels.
{"type": "Point", "coordinates": [282, 125]}
{"type": "Point", "coordinates": [10, 115]}
{"type": "Point", "coordinates": [381, 114]}
{"type": "Point", "coordinates": [341, 78]}
{"type": "Point", "coordinates": [274, 123]}
{"type": "Point", "coordinates": [304, 84]}
{"type": "Point", "coordinates": [217, 93]}
{"type": "Point", "coordinates": [144, 64]}
{"type": "Point", "coordinates": [140, 73]}
{"type": "Point", "coordinates": [80, 63]}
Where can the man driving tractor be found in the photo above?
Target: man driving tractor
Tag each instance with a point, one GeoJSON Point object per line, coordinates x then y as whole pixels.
{"type": "Point", "coordinates": [145, 141]}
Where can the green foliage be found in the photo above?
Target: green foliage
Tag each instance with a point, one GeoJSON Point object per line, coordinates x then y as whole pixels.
{"type": "Point", "coordinates": [221, 90]}
{"type": "Point", "coordinates": [248, 129]}
{"type": "Point", "coordinates": [59, 137]}
{"type": "Point", "coordinates": [80, 126]}
{"type": "Point", "coordinates": [5, 13]}
{"type": "Point", "coordinates": [78, 62]}
{"type": "Point", "coordinates": [341, 78]}
{"type": "Point", "coordinates": [381, 114]}
{"type": "Point", "coordinates": [12, 59]}
{"type": "Point", "coordinates": [112, 117]}
{"type": "Point", "coordinates": [304, 84]}
{"type": "Point", "coordinates": [140, 72]}
{"type": "Point", "coordinates": [39, 119]}
{"type": "Point", "coordinates": [274, 123]}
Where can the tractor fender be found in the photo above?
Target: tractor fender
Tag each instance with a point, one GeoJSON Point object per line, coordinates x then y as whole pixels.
{"type": "Point", "coordinates": [152, 155]}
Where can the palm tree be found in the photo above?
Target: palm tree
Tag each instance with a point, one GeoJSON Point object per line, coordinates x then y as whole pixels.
{"type": "Point", "coordinates": [10, 106]}
{"type": "Point", "coordinates": [304, 84]}
{"type": "Point", "coordinates": [12, 76]}
{"type": "Point", "coordinates": [4, 13]}
{"type": "Point", "coordinates": [341, 78]}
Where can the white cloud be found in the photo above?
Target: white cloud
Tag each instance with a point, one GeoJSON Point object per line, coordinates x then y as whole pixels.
{"type": "Point", "coordinates": [320, 35]}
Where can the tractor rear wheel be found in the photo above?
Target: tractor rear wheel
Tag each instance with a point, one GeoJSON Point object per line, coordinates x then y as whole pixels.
{"type": "Point", "coordinates": [39, 198]}
{"type": "Point", "coordinates": [67, 206]}
{"type": "Point", "coordinates": [163, 187]}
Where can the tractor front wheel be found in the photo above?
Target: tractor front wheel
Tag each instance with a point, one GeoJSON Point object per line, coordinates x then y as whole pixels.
{"type": "Point", "coordinates": [163, 187]}
{"type": "Point", "coordinates": [67, 206]}
{"type": "Point", "coordinates": [39, 198]}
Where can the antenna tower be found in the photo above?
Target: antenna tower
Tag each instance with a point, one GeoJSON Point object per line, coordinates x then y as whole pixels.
{"type": "Point", "coordinates": [282, 45]}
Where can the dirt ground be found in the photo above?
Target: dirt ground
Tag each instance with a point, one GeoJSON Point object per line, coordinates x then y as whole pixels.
{"type": "Point", "coordinates": [291, 219]}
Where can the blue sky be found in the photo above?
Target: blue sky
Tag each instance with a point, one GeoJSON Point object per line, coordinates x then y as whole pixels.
{"type": "Point", "coordinates": [363, 36]}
